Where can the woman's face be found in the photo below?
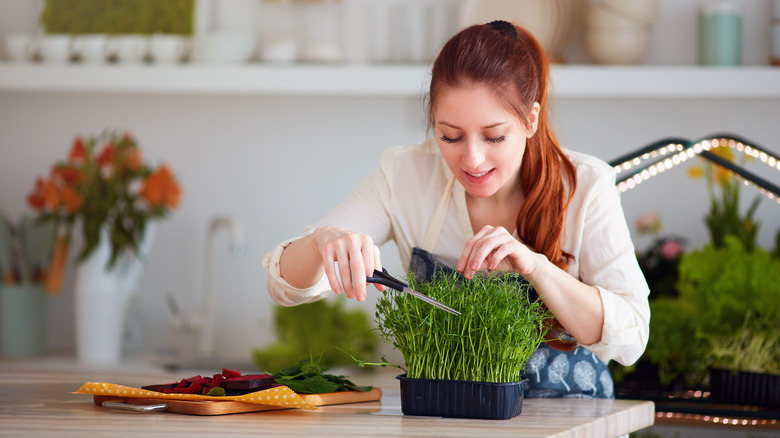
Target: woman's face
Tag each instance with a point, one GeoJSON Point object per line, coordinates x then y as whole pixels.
{"type": "Point", "coordinates": [482, 143]}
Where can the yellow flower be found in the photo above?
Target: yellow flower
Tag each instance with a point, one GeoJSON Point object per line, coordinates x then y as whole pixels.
{"type": "Point", "coordinates": [695, 172]}
{"type": "Point", "coordinates": [724, 152]}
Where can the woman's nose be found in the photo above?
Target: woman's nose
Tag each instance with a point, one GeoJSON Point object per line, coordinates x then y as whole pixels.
{"type": "Point", "coordinates": [474, 154]}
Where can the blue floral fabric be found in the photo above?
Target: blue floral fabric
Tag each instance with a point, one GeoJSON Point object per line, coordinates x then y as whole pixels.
{"type": "Point", "coordinates": [549, 373]}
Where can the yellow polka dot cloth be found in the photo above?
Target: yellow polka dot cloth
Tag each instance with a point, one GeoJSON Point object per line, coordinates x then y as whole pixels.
{"type": "Point", "coordinates": [277, 396]}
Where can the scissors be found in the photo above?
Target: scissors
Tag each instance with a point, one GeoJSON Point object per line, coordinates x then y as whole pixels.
{"type": "Point", "coordinates": [382, 277]}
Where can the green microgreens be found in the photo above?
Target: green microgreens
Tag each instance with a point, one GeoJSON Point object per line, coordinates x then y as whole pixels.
{"type": "Point", "coordinates": [497, 332]}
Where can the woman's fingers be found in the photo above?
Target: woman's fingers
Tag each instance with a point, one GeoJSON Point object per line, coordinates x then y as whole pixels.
{"type": "Point", "coordinates": [488, 249]}
{"type": "Point", "coordinates": [377, 266]}
{"type": "Point", "coordinates": [348, 258]}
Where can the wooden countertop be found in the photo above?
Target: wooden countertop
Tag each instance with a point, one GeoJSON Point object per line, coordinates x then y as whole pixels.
{"type": "Point", "coordinates": [38, 402]}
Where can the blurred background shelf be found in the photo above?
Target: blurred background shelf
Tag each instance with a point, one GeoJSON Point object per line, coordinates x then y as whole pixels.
{"type": "Point", "coordinates": [389, 80]}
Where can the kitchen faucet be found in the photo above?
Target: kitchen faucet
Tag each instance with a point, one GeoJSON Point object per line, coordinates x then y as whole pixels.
{"type": "Point", "coordinates": [207, 315]}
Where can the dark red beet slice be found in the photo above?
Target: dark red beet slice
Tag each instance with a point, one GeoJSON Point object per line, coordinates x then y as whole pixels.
{"type": "Point", "coordinates": [248, 383]}
{"type": "Point", "coordinates": [230, 373]}
{"type": "Point", "coordinates": [231, 381]}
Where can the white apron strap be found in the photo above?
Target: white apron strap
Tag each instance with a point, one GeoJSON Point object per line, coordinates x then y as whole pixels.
{"type": "Point", "coordinates": [437, 221]}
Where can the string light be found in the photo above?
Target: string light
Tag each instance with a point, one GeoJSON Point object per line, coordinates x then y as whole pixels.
{"type": "Point", "coordinates": [666, 156]}
{"type": "Point", "coordinates": [751, 422]}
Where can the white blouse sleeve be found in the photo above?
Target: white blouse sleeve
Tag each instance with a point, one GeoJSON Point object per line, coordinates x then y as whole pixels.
{"type": "Point", "coordinates": [607, 260]}
{"type": "Point", "coordinates": [365, 211]}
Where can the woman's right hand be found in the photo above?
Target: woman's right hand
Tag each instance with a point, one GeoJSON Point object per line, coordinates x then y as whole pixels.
{"type": "Point", "coordinates": [355, 255]}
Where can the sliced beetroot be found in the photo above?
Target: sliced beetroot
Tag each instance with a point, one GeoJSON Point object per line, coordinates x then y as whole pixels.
{"type": "Point", "coordinates": [199, 380]}
{"type": "Point", "coordinates": [160, 388]}
{"type": "Point", "coordinates": [233, 382]}
{"type": "Point", "coordinates": [230, 373]}
{"type": "Point", "coordinates": [248, 383]}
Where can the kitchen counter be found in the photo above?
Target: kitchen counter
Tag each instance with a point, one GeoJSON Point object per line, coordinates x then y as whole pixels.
{"type": "Point", "coordinates": [36, 401]}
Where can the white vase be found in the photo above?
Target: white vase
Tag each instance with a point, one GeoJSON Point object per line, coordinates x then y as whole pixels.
{"type": "Point", "coordinates": [101, 297]}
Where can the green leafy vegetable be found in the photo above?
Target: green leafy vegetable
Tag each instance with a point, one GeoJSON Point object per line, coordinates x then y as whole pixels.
{"type": "Point", "coordinates": [216, 392]}
{"type": "Point", "coordinates": [725, 315]}
{"type": "Point", "coordinates": [497, 332]}
{"type": "Point", "coordinates": [318, 329]}
{"type": "Point", "coordinates": [308, 377]}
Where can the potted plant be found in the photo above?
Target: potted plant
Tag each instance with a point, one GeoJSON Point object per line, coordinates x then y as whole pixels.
{"type": "Point", "coordinates": [466, 365]}
{"type": "Point", "coordinates": [733, 296]}
{"type": "Point", "coordinates": [106, 192]}
{"type": "Point", "coordinates": [317, 329]}
{"type": "Point", "coordinates": [719, 321]}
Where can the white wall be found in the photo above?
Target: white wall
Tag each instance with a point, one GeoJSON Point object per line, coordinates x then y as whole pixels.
{"type": "Point", "coordinates": [277, 164]}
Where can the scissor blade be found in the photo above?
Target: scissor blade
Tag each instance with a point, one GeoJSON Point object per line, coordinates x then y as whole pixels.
{"type": "Point", "coordinates": [430, 300]}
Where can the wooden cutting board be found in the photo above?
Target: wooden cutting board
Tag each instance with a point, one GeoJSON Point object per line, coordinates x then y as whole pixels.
{"type": "Point", "coordinates": [208, 407]}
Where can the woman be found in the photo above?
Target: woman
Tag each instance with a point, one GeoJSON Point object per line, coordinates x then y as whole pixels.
{"type": "Point", "coordinates": [492, 190]}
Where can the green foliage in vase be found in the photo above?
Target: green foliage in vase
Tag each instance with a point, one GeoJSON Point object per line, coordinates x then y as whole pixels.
{"type": "Point", "coordinates": [118, 16]}
{"type": "Point", "coordinates": [497, 332]}
{"type": "Point", "coordinates": [318, 329]}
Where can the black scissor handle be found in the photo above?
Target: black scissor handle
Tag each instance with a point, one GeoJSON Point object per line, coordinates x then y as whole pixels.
{"type": "Point", "coordinates": [383, 278]}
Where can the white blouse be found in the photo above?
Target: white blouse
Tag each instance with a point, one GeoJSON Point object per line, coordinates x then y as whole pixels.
{"type": "Point", "coordinates": [397, 202]}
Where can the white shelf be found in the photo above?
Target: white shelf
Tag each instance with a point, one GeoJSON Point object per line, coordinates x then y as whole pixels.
{"type": "Point", "coordinates": [570, 81]}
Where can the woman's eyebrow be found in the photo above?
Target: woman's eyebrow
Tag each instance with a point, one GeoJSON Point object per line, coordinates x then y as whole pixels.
{"type": "Point", "coordinates": [451, 125]}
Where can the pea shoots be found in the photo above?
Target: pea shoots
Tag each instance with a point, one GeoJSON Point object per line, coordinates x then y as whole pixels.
{"type": "Point", "coordinates": [498, 330]}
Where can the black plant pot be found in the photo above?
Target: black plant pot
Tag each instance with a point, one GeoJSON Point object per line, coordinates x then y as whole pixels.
{"type": "Point", "coordinates": [745, 388]}
{"type": "Point", "coordinates": [461, 399]}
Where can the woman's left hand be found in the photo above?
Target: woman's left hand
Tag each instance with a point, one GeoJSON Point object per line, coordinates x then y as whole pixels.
{"type": "Point", "coordinates": [494, 248]}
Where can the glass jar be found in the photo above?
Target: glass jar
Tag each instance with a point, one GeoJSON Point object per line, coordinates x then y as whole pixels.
{"type": "Point", "coordinates": [322, 31]}
{"type": "Point", "coordinates": [279, 41]}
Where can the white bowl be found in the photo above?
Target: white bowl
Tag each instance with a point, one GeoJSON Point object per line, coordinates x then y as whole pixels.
{"type": "Point", "coordinates": [168, 48]}
{"type": "Point", "coordinates": [604, 17]}
{"type": "Point", "coordinates": [643, 10]}
{"type": "Point", "coordinates": [91, 49]}
{"type": "Point", "coordinates": [617, 46]}
{"type": "Point", "coordinates": [131, 49]}
{"type": "Point", "coordinates": [56, 48]}
{"type": "Point", "coordinates": [20, 47]}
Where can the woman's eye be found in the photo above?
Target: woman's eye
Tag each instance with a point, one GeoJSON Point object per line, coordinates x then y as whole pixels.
{"type": "Point", "coordinates": [494, 139]}
{"type": "Point", "coordinates": [446, 139]}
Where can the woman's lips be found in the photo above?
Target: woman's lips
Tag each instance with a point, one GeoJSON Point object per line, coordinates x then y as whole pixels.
{"type": "Point", "coordinates": [478, 177]}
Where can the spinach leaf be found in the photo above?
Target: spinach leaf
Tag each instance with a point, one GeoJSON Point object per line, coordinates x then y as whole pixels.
{"type": "Point", "coordinates": [308, 377]}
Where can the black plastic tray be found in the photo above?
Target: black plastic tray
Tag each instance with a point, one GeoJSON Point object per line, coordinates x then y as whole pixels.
{"type": "Point", "coordinates": [461, 399]}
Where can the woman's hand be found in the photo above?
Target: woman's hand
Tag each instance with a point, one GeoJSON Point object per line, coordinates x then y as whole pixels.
{"type": "Point", "coordinates": [493, 248]}
{"type": "Point", "coordinates": [356, 256]}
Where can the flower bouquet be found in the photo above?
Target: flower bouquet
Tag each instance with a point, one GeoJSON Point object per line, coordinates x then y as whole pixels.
{"type": "Point", "coordinates": [103, 185]}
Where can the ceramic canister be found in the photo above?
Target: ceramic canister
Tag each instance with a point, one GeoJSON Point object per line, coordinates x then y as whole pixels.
{"type": "Point", "coordinates": [720, 34]}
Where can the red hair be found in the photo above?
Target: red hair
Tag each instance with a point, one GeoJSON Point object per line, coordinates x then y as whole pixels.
{"type": "Point", "coordinates": [515, 69]}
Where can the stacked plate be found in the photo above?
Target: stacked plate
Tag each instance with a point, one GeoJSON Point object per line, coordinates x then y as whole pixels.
{"type": "Point", "coordinates": [551, 22]}
{"type": "Point", "coordinates": [619, 31]}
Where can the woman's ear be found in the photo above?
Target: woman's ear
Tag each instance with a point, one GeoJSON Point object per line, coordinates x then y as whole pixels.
{"type": "Point", "coordinates": [533, 119]}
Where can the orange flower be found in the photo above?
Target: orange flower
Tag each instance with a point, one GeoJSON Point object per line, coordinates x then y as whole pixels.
{"type": "Point", "coordinates": [67, 174]}
{"type": "Point", "coordinates": [161, 188]}
{"type": "Point", "coordinates": [45, 195]}
{"type": "Point", "coordinates": [35, 198]}
{"type": "Point", "coordinates": [71, 198]}
{"type": "Point", "coordinates": [112, 161]}
{"type": "Point", "coordinates": [133, 162]}
{"type": "Point", "coordinates": [106, 156]}
{"type": "Point", "coordinates": [78, 153]}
